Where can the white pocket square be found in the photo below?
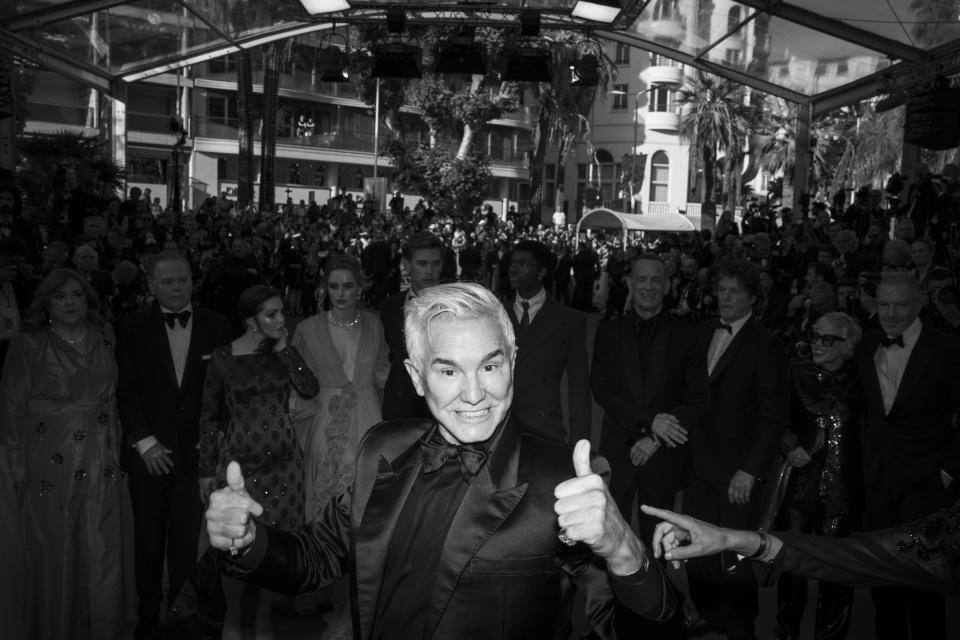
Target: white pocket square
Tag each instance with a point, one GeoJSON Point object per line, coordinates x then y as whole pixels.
{"type": "Point", "coordinates": [206, 357]}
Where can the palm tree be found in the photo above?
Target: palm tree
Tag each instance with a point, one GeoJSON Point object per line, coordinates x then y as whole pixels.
{"type": "Point", "coordinates": [563, 110]}
{"type": "Point", "coordinates": [874, 142]}
{"type": "Point", "coordinates": [716, 120]}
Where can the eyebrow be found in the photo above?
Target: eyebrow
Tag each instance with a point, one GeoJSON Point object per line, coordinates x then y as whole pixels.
{"type": "Point", "coordinates": [489, 356]}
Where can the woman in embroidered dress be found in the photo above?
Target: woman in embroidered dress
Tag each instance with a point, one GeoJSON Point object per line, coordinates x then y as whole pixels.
{"type": "Point", "coordinates": [346, 349]}
{"type": "Point", "coordinates": [245, 418]}
{"type": "Point", "coordinates": [58, 425]}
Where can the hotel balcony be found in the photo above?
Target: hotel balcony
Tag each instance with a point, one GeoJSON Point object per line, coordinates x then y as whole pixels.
{"type": "Point", "coordinates": [663, 74]}
{"type": "Point", "coordinates": [662, 121]}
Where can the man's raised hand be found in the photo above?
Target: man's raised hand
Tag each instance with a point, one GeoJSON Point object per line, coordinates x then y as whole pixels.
{"type": "Point", "coordinates": [587, 513]}
{"type": "Point", "coordinates": [230, 514]}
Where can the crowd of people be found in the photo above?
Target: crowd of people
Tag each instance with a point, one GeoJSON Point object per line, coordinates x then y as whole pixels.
{"type": "Point", "coordinates": [786, 370]}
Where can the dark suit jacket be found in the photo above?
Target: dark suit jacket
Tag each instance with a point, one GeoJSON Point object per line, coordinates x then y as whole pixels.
{"type": "Point", "coordinates": [400, 398]}
{"type": "Point", "coordinates": [917, 438]}
{"type": "Point", "coordinates": [749, 406]}
{"type": "Point", "coordinates": [673, 380]}
{"type": "Point", "coordinates": [149, 400]}
{"type": "Point", "coordinates": [555, 342]}
{"type": "Point", "coordinates": [502, 571]}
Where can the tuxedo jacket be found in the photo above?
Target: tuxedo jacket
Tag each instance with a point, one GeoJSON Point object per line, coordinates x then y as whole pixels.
{"type": "Point", "coordinates": [672, 380]}
{"type": "Point", "coordinates": [749, 406]}
{"type": "Point", "coordinates": [555, 343]}
{"type": "Point", "coordinates": [150, 401]}
{"type": "Point", "coordinates": [502, 572]}
{"type": "Point", "coordinates": [917, 438]}
{"type": "Point", "coordinates": [400, 398]}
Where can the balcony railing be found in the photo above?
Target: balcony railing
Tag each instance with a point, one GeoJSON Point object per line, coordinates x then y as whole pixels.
{"type": "Point", "coordinates": [227, 129]}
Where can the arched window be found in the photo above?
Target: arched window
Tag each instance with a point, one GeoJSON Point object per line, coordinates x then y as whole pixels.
{"type": "Point", "coordinates": [733, 18]}
{"type": "Point", "coordinates": [660, 177]}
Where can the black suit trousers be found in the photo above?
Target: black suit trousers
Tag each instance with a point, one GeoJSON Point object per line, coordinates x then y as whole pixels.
{"type": "Point", "coordinates": [167, 514]}
{"type": "Point", "coordinates": [726, 599]}
{"type": "Point", "coordinates": [901, 612]}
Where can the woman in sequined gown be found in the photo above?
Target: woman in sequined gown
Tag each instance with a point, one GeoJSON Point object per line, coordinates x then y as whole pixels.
{"type": "Point", "coordinates": [821, 445]}
{"type": "Point", "coordinates": [245, 418]}
{"type": "Point", "coordinates": [58, 424]}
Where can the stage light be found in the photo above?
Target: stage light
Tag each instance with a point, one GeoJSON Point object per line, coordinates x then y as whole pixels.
{"type": "Point", "coordinates": [317, 7]}
{"type": "Point", "coordinates": [585, 72]}
{"type": "Point", "coordinates": [527, 64]}
{"type": "Point", "coordinates": [605, 11]}
{"type": "Point", "coordinates": [333, 65]}
{"type": "Point", "coordinates": [529, 23]}
{"type": "Point", "coordinates": [396, 20]}
{"type": "Point", "coordinates": [397, 60]}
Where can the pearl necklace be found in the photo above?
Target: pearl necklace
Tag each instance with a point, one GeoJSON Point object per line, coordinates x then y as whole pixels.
{"type": "Point", "coordinates": [345, 325]}
{"type": "Point", "coordinates": [74, 341]}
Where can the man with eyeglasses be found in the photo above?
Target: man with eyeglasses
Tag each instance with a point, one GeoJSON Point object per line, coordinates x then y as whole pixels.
{"type": "Point", "coordinates": [911, 450]}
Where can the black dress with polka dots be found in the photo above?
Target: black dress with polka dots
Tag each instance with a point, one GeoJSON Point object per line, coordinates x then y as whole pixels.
{"type": "Point", "coordinates": [245, 417]}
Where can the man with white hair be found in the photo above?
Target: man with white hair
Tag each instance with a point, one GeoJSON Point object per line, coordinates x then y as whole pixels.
{"type": "Point", "coordinates": [911, 449]}
{"type": "Point", "coordinates": [459, 526]}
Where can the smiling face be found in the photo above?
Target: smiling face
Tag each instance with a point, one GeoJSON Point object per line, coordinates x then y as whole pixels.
{"type": "Point", "coordinates": [342, 289]}
{"type": "Point", "coordinates": [466, 377]}
{"type": "Point", "coordinates": [171, 284]}
{"type": "Point", "coordinates": [833, 356]}
{"type": "Point", "coordinates": [897, 307]}
{"type": "Point", "coordinates": [68, 305]}
{"type": "Point", "coordinates": [648, 281]}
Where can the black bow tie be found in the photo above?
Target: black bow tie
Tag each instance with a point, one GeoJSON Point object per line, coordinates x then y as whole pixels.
{"type": "Point", "coordinates": [889, 342]}
{"type": "Point", "coordinates": [723, 326]}
{"type": "Point", "coordinates": [436, 452]}
{"type": "Point", "coordinates": [648, 325]}
{"type": "Point", "coordinates": [170, 318]}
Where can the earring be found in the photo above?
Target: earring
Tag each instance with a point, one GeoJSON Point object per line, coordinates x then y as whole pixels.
{"type": "Point", "coordinates": [255, 329]}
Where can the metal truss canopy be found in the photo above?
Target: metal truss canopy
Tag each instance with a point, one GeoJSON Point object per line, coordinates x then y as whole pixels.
{"type": "Point", "coordinates": [822, 54]}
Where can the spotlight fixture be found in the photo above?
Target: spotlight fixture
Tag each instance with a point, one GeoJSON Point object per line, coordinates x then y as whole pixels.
{"type": "Point", "coordinates": [397, 60]}
{"type": "Point", "coordinates": [460, 54]}
{"type": "Point", "coordinates": [529, 23]}
{"type": "Point", "coordinates": [585, 72]}
{"type": "Point", "coordinates": [317, 7]}
{"type": "Point", "coordinates": [527, 64]}
{"type": "Point", "coordinates": [605, 11]}
{"type": "Point", "coordinates": [333, 65]}
{"type": "Point", "coordinates": [396, 20]}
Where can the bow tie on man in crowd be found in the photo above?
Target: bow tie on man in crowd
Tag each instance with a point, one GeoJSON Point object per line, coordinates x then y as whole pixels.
{"type": "Point", "coordinates": [436, 452]}
{"type": "Point", "coordinates": [172, 317]}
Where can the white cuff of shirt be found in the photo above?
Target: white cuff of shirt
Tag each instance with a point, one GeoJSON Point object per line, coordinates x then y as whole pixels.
{"type": "Point", "coordinates": [144, 444]}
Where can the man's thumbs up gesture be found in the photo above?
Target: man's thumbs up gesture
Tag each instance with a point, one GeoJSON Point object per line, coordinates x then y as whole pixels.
{"type": "Point", "coordinates": [587, 513]}
{"type": "Point", "coordinates": [229, 522]}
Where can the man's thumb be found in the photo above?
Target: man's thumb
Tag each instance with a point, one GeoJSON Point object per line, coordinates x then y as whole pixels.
{"type": "Point", "coordinates": [234, 477]}
{"type": "Point", "coordinates": [581, 458]}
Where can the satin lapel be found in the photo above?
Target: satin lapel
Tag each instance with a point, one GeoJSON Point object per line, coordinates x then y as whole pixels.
{"type": "Point", "coordinates": [868, 373]}
{"type": "Point", "coordinates": [732, 349]}
{"type": "Point", "coordinates": [162, 345]}
{"type": "Point", "coordinates": [630, 356]}
{"type": "Point", "coordinates": [658, 358]}
{"type": "Point", "coordinates": [489, 500]}
{"type": "Point", "coordinates": [921, 357]}
{"type": "Point", "coordinates": [387, 497]}
{"type": "Point", "coordinates": [193, 356]}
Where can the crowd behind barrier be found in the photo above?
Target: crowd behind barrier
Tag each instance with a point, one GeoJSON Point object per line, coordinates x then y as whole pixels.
{"type": "Point", "coordinates": [812, 280]}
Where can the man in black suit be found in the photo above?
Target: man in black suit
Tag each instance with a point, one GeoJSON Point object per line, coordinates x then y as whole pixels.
{"type": "Point", "coordinates": [650, 377]}
{"type": "Point", "coordinates": [162, 355]}
{"type": "Point", "coordinates": [735, 443]}
{"type": "Point", "coordinates": [461, 525]}
{"type": "Point", "coordinates": [551, 341]}
{"type": "Point", "coordinates": [422, 257]}
{"type": "Point", "coordinates": [651, 380]}
{"type": "Point", "coordinates": [911, 450]}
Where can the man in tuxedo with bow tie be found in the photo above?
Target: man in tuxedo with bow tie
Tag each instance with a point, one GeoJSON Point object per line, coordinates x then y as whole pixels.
{"type": "Point", "coordinates": [463, 526]}
{"type": "Point", "coordinates": [162, 355]}
{"type": "Point", "coordinates": [735, 444]}
{"type": "Point", "coordinates": [911, 451]}
{"type": "Point", "coordinates": [551, 342]}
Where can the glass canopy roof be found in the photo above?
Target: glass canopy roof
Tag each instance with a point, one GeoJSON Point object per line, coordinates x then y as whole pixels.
{"type": "Point", "coordinates": [821, 53]}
